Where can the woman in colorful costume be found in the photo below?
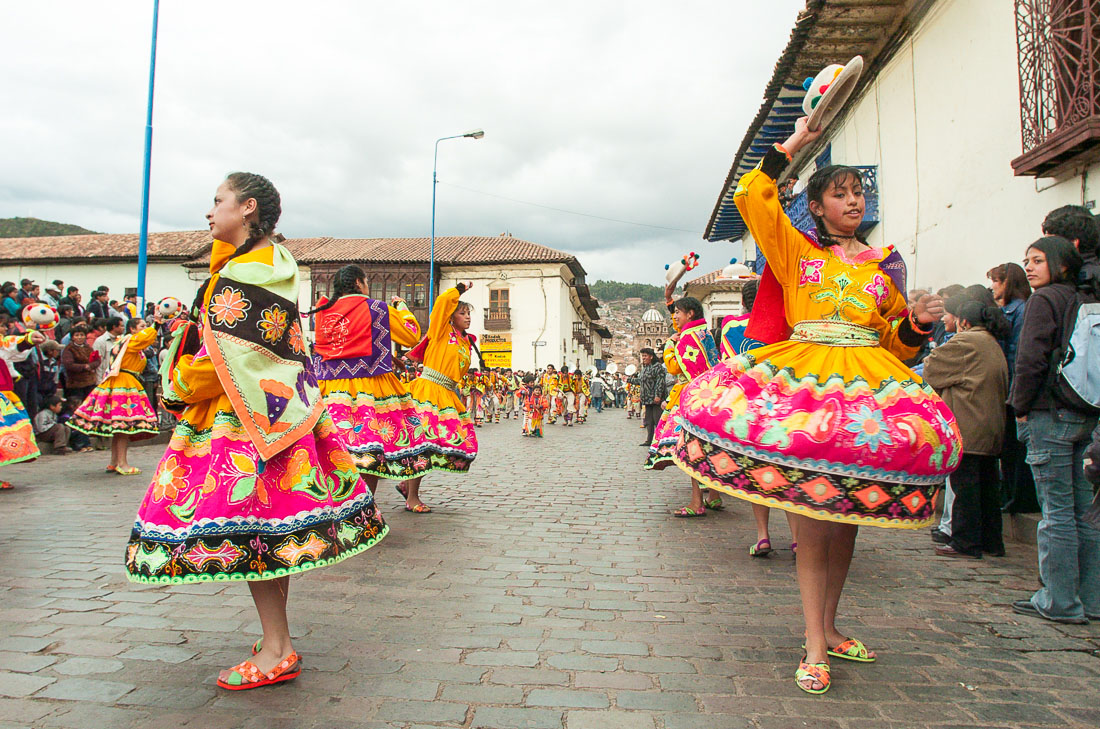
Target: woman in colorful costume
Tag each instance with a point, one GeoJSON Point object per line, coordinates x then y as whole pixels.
{"type": "Point", "coordinates": [256, 483]}
{"type": "Point", "coordinates": [551, 383]}
{"type": "Point", "coordinates": [444, 421]}
{"type": "Point", "coordinates": [828, 424]}
{"type": "Point", "coordinates": [119, 408]}
{"type": "Point", "coordinates": [353, 363]}
{"type": "Point", "coordinates": [687, 354]}
{"type": "Point", "coordinates": [17, 441]}
{"type": "Point", "coordinates": [584, 394]}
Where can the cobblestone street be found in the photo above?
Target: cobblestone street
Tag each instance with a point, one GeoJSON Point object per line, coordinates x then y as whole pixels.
{"type": "Point", "coordinates": [550, 589]}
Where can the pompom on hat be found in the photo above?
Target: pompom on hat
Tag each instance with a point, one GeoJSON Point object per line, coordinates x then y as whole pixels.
{"type": "Point", "coordinates": [827, 92]}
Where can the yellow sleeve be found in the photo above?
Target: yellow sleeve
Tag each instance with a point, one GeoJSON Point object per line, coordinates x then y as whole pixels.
{"type": "Point", "coordinates": [404, 329]}
{"type": "Point", "coordinates": [442, 309]}
{"type": "Point", "coordinates": [671, 364]}
{"type": "Point", "coordinates": [144, 338]}
{"type": "Point", "coordinates": [896, 312]}
{"type": "Point", "coordinates": [757, 199]}
{"type": "Point", "coordinates": [195, 379]}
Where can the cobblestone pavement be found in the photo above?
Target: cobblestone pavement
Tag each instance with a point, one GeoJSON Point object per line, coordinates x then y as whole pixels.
{"type": "Point", "coordinates": [549, 589]}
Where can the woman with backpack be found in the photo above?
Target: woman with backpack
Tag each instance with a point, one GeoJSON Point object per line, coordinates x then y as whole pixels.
{"type": "Point", "coordinates": [1056, 431]}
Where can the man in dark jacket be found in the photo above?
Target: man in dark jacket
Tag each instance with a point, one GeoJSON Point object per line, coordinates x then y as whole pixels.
{"type": "Point", "coordinates": [654, 392]}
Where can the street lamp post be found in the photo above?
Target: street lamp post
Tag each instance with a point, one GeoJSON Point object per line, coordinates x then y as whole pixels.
{"type": "Point", "coordinates": [475, 134]}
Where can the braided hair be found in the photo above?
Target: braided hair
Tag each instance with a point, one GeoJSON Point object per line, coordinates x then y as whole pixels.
{"type": "Point", "coordinates": [343, 283]}
{"type": "Point", "coordinates": [269, 206]}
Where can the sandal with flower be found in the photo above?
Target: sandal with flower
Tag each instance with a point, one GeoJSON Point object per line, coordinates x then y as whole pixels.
{"type": "Point", "coordinates": [714, 504]}
{"type": "Point", "coordinates": [419, 509]}
{"type": "Point", "coordinates": [246, 675]}
{"type": "Point", "coordinates": [6, 486]}
{"type": "Point", "coordinates": [686, 512]}
{"type": "Point", "coordinates": [131, 471]}
{"type": "Point", "coordinates": [809, 674]}
{"type": "Point", "coordinates": [853, 649]}
{"type": "Point", "coordinates": [112, 469]}
{"type": "Point", "coordinates": [761, 549]}
{"type": "Point", "coordinates": [402, 489]}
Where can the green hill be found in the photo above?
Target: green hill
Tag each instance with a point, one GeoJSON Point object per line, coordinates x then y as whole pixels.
{"type": "Point", "coordinates": [617, 291]}
{"type": "Point", "coordinates": [33, 228]}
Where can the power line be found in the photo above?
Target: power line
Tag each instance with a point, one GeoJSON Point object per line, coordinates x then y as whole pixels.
{"type": "Point", "coordinates": [570, 212]}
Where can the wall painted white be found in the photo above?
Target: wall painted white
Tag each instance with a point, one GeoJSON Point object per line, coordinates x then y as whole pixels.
{"type": "Point", "coordinates": [942, 122]}
{"type": "Point", "coordinates": [543, 308]}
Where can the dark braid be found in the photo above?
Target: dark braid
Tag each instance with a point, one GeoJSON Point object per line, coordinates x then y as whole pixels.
{"type": "Point", "coordinates": [246, 185]}
{"type": "Point", "coordinates": [343, 283]}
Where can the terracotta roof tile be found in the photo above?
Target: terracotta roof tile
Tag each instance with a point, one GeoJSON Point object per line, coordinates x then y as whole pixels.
{"type": "Point", "coordinates": [449, 250]}
{"type": "Point", "coordinates": [175, 246]}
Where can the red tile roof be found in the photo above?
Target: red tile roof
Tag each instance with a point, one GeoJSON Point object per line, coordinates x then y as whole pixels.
{"type": "Point", "coordinates": [177, 246]}
{"type": "Point", "coordinates": [449, 250]}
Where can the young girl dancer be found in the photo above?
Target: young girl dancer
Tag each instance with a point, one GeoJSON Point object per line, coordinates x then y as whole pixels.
{"type": "Point", "coordinates": [827, 424]}
{"type": "Point", "coordinates": [119, 408]}
{"type": "Point", "coordinates": [535, 405]}
{"type": "Point", "coordinates": [444, 421]}
{"type": "Point", "coordinates": [17, 441]}
{"type": "Point", "coordinates": [353, 363]}
{"type": "Point", "coordinates": [687, 354]}
{"type": "Point", "coordinates": [256, 484]}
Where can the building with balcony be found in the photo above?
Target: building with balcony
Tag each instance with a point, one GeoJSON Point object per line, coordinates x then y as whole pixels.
{"type": "Point", "coordinates": [972, 120]}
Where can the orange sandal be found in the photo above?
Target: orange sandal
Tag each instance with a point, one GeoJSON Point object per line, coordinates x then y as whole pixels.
{"type": "Point", "coordinates": [245, 675]}
{"type": "Point", "coordinates": [419, 509]}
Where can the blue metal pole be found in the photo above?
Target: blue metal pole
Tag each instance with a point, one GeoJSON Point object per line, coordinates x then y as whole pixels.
{"type": "Point", "coordinates": [431, 251]}
{"type": "Point", "coordinates": [143, 239]}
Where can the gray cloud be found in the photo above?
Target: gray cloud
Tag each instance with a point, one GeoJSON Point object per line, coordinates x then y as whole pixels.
{"type": "Point", "coordinates": [628, 110]}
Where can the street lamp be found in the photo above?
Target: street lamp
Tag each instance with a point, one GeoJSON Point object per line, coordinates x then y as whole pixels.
{"type": "Point", "coordinates": [475, 134]}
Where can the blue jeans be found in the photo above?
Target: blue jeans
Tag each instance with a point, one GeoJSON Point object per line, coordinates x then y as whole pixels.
{"type": "Point", "coordinates": [598, 402]}
{"type": "Point", "coordinates": [1069, 548]}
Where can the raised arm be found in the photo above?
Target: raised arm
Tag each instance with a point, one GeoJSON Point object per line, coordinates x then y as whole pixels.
{"type": "Point", "coordinates": [404, 329]}
{"type": "Point", "coordinates": [444, 306]}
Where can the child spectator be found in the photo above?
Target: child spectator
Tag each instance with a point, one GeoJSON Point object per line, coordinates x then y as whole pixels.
{"type": "Point", "coordinates": [77, 359]}
{"type": "Point", "coordinates": [48, 428]}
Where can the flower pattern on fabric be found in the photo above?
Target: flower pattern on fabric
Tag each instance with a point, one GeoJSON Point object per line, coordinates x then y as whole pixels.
{"type": "Point", "coordinates": [877, 288]}
{"type": "Point", "coordinates": [273, 322]}
{"type": "Point", "coordinates": [229, 306]}
{"type": "Point", "coordinates": [838, 294]}
{"type": "Point", "coordinates": [170, 479]}
{"type": "Point", "coordinates": [295, 338]}
{"type": "Point", "coordinates": [810, 271]}
{"type": "Point", "coordinates": [869, 428]}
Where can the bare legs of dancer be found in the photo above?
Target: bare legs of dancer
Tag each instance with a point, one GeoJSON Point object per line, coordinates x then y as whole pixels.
{"type": "Point", "coordinates": [120, 446]}
{"type": "Point", "coordinates": [761, 513]}
{"type": "Point", "coordinates": [824, 554]}
{"type": "Point", "coordinates": [270, 597]}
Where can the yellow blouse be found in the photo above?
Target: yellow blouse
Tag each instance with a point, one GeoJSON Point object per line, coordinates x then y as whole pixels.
{"type": "Point", "coordinates": [822, 283]}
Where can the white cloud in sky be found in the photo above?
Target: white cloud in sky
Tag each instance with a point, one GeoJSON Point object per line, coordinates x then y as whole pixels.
{"type": "Point", "coordinates": [626, 110]}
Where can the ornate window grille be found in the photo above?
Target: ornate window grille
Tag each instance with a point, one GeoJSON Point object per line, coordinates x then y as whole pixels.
{"type": "Point", "coordinates": [1058, 49]}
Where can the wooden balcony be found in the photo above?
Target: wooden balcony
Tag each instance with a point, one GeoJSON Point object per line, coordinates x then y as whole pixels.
{"type": "Point", "coordinates": [498, 319]}
{"type": "Point", "coordinates": [1058, 49]}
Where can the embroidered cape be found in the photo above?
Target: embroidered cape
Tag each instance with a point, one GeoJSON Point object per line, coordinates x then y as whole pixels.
{"type": "Point", "coordinates": [252, 333]}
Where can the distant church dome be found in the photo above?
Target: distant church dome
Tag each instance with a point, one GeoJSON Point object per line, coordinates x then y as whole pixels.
{"type": "Point", "coordinates": [652, 316]}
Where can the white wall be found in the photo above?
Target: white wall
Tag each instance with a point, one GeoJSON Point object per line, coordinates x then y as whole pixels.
{"type": "Point", "coordinates": [942, 122]}
{"type": "Point", "coordinates": [161, 279]}
{"type": "Point", "coordinates": [533, 295]}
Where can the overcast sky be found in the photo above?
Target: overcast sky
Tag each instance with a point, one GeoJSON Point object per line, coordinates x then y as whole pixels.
{"type": "Point", "coordinates": [625, 110]}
